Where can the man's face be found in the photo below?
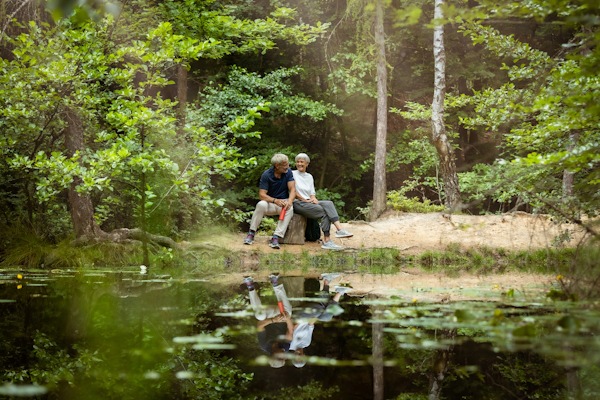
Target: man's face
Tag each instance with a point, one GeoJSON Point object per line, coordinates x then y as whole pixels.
{"type": "Point", "coordinates": [282, 168]}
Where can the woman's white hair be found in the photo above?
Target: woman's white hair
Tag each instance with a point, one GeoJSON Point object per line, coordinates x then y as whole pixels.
{"type": "Point", "coordinates": [279, 158]}
{"type": "Point", "coordinates": [303, 156]}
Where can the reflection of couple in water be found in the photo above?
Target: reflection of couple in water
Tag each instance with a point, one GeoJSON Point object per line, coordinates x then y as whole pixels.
{"type": "Point", "coordinates": [278, 333]}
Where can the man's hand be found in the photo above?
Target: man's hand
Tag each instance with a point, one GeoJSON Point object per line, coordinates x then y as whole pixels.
{"type": "Point", "coordinates": [283, 203]}
{"type": "Point", "coordinates": [279, 318]}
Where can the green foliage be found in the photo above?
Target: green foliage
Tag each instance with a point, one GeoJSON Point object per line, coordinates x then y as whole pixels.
{"type": "Point", "coordinates": [379, 261]}
{"type": "Point", "coordinates": [485, 260]}
{"type": "Point", "coordinates": [52, 364]}
{"type": "Point", "coordinates": [413, 151]}
{"type": "Point", "coordinates": [81, 10]}
{"type": "Point", "coordinates": [549, 113]}
{"type": "Point", "coordinates": [137, 161]}
{"type": "Point", "coordinates": [26, 249]}
{"type": "Point", "coordinates": [311, 390]}
{"type": "Point", "coordinates": [505, 182]}
{"type": "Point", "coordinates": [233, 34]}
{"type": "Point", "coordinates": [223, 103]}
{"type": "Point", "coordinates": [411, 396]}
{"type": "Point", "coordinates": [210, 376]}
{"type": "Point", "coordinates": [351, 73]}
{"type": "Point", "coordinates": [578, 277]}
{"type": "Point", "coordinates": [524, 375]}
{"type": "Point", "coordinates": [397, 200]}
{"type": "Point", "coordinates": [136, 362]}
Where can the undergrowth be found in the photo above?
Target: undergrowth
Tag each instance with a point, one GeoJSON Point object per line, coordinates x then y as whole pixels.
{"type": "Point", "coordinates": [577, 269]}
{"type": "Point", "coordinates": [399, 201]}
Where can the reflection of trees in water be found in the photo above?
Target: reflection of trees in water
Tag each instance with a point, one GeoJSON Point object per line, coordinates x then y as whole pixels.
{"type": "Point", "coordinates": [377, 360]}
{"type": "Point", "coordinates": [420, 360]}
{"type": "Point", "coordinates": [121, 320]}
{"type": "Point", "coordinates": [440, 367]}
{"type": "Point", "coordinates": [407, 360]}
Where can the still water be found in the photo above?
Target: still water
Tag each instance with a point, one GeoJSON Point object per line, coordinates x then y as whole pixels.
{"type": "Point", "coordinates": [127, 335]}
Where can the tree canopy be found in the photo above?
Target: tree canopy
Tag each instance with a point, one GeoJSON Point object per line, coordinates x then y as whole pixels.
{"type": "Point", "coordinates": [161, 115]}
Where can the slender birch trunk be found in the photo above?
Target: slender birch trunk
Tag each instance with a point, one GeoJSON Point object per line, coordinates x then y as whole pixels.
{"type": "Point", "coordinates": [438, 133]}
{"type": "Point", "coordinates": [568, 176]}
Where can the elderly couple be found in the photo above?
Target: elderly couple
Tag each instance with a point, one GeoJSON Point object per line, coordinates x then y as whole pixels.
{"type": "Point", "coordinates": [282, 337]}
{"type": "Point", "coordinates": [281, 188]}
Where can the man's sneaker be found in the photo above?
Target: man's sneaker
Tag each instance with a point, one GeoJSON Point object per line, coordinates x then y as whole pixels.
{"type": "Point", "coordinates": [274, 278]}
{"type": "Point", "coordinates": [249, 238]}
{"type": "Point", "coordinates": [343, 234]}
{"type": "Point", "coordinates": [329, 276]}
{"type": "Point", "coordinates": [331, 246]}
{"type": "Point", "coordinates": [342, 289]}
{"type": "Point", "coordinates": [249, 282]}
{"type": "Point", "coordinates": [274, 243]}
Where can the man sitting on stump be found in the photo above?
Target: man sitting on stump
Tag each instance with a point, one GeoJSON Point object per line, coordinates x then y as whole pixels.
{"type": "Point", "coordinates": [276, 191]}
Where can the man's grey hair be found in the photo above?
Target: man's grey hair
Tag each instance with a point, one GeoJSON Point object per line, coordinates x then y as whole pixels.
{"type": "Point", "coordinates": [303, 156]}
{"type": "Point", "coordinates": [276, 362]}
{"type": "Point", "coordinates": [279, 158]}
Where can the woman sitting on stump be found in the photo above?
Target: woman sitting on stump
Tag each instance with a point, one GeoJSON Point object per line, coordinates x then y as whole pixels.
{"type": "Point", "coordinates": [307, 204]}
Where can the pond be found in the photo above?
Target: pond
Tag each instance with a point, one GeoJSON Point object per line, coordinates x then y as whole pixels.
{"type": "Point", "coordinates": [132, 335]}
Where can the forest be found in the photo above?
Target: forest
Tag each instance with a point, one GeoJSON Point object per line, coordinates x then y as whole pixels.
{"type": "Point", "coordinates": [154, 119]}
{"type": "Point", "coordinates": [130, 129]}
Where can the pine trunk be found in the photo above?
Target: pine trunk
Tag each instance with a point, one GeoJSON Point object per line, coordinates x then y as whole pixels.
{"type": "Point", "coordinates": [379, 181]}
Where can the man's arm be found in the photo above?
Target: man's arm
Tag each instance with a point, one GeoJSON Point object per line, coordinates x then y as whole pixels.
{"type": "Point", "coordinates": [262, 195]}
{"type": "Point", "coordinates": [292, 189]}
{"type": "Point", "coordinates": [290, 327]}
{"type": "Point", "coordinates": [261, 325]}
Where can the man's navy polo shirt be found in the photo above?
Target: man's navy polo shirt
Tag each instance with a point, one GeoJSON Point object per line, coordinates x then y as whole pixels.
{"type": "Point", "coordinates": [276, 188]}
{"type": "Point", "coordinates": [273, 333]}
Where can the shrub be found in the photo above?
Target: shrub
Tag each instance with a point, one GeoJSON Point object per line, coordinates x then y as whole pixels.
{"type": "Point", "coordinates": [398, 200]}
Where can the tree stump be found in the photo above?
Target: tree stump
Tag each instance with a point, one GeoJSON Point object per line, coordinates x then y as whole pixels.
{"type": "Point", "coordinates": [295, 231]}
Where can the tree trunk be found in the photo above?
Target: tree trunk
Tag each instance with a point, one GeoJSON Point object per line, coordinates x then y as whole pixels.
{"type": "Point", "coordinates": [325, 159]}
{"type": "Point", "coordinates": [377, 354]}
{"type": "Point", "coordinates": [81, 207]}
{"type": "Point", "coordinates": [440, 367]}
{"type": "Point", "coordinates": [568, 176]}
{"type": "Point", "coordinates": [441, 364]}
{"type": "Point", "coordinates": [438, 134]}
{"type": "Point", "coordinates": [182, 90]}
{"type": "Point", "coordinates": [379, 181]}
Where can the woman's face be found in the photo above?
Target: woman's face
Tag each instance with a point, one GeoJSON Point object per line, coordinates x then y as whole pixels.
{"type": "Point", "coordinates": [301, 165]}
